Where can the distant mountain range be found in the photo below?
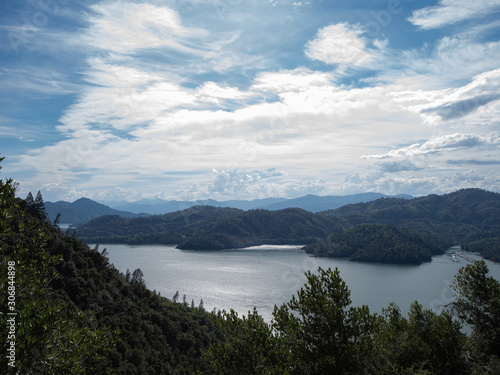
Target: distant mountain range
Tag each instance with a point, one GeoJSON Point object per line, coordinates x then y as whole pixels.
{"type": "Point", "coordinates": [84, 209]}
{"type": "Point", "coordinates": [312, 203]}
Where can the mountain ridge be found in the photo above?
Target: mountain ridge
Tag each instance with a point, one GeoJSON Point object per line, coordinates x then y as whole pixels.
{"type": "Point", "coordinates": [457, 218]}
{"type": "Point", "coordinates": [310, 202]}
{"type": "Point", "coordinates": [83, 210]}
{"type": "Point", "coordinates": [157, 206]}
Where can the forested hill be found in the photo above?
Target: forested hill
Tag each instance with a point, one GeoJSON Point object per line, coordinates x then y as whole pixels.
{"type": "Point", "coordinates": [257, 227]}
{"type": "Point", "coordinates": [170, 228]}
{"type": "Point", "coordinates": [459, 218]}
{"type": "Point", "coordinates": [74, 313]}
{"type": "Point", "coordinates": [210, 228]}
{"type": "Point", "coordinates": [381, 243]}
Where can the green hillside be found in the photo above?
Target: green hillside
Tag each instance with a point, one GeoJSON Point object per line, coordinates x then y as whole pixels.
{"type": "Point", "coordinates": [76, 314]}
{"type": "Point", "coordinates": [257, 227]}
{"type": "Point", "coordinates": [158, 229]}
{"type": "Point", "coordinates": [458, 218]}
{"type": "Point", "coordinates": [382, 243]}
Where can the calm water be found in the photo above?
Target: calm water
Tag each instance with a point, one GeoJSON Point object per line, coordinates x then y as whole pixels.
{"type": "Point", "coordinates": [263, 276]}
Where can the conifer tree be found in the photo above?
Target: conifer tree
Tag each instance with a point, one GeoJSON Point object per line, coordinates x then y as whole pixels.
{"type": "Point", "coordinates": [138, 277]}
{"type": "Point", "coordinates": [175, 297]}
{"type": "Point", "coordinates": [30, 200]}
{"type": "Point", "coordinates": [39, 206]}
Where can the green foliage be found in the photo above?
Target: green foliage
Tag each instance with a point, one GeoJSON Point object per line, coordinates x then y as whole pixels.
{"type": "Point", "coordinates": [379, 243]}
{"type": "Point", "coordinates": [247, 346]}
{"type": "Point", "coordinates": [138, 277]}
{"type": "Point", "coordinates": [158, 229]}
{"type": "Point", "coordinates": [47, 338]}
{"type": "Point", "coordinates": [257, 227]}
{"type": "Point", "coordinates": [76, 314]}
{"type": "Point", "coordinates": [424, 343]}
{"type": "Point", "coordinates": [478, 304]}
{"type": "Point", "coordinates": [488, 247]}
{"type": "Point", "coordinates": [457, 218]}
{"type": "Point", "coordinates": [39, 206]}
{"type": "Point", "coordinates": [36, 206]}
{"type": "Point", "coordinates": [323, 332]}
{"type": "Point", "coordinates": [319, 332]}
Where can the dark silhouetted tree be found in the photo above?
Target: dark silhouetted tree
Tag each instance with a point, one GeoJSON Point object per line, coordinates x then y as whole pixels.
{"type": "Point", "coordinates": [175, 297]}
{"type": "Point", "coordinates": [138, 277]}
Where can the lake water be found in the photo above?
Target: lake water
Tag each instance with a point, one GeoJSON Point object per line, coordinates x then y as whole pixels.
{"type": "Point", "coordinates": [263, 276]}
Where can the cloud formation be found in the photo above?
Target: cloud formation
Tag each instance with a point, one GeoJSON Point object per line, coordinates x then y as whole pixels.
{"type": "Point", "coordinates": [452, 11]}
{"type": "Point", "coordinates": [339, 44]}
{"type": "Point", "coordinates": [281, 108]}
{"type": "Point", "coordinates": [128, 27]}
{"type": "Point", "coordinates": [453, 142]}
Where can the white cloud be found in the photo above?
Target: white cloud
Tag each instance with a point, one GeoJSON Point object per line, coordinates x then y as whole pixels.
{"type": "Point", "coordinates": [452, 11]}
{"type": "Point", "coordinates": [240, 183]}
{"type": "Point", "coordinates": [339, 44]}
{"type": "Point", "coordinates": [127, 27]}
{"type": "Point", "coordinates": [136, 121]}
{"type": "Point", "coordinates": [419, 183]}
{"type": "Point", "coordinates": [213, 92]}
{"type": "Point", "coordinates": [454, 142]}
{"type": "Point", "coordinates": [299, 79]}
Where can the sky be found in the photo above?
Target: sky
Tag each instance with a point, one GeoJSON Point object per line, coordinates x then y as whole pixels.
{"type": "Point", "coordinates": [231, 99]}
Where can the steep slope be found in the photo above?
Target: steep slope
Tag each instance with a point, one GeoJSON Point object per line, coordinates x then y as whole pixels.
{"type": "Point", "coordinates": [77, 314]}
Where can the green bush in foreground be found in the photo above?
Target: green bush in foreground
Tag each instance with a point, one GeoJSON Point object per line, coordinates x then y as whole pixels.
{"type": "Point", "coordinates": [319, 332]}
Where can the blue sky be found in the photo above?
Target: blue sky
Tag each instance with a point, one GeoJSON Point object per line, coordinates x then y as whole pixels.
{"type": "Point", "coordinates": [226, 99]}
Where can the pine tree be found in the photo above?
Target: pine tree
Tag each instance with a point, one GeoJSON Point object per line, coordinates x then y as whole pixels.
{"type": "Point", "coordinates": [138, 277]}
{"type": "Point", "coordinates": [176, 296]}
{"type": "Point", "coordinates": [39, 206]}
{"type": "Point", "coordinates": [30, 200]}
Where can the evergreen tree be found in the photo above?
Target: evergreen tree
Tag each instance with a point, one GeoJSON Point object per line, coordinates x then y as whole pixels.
{"type": "Point", "coordinates": [39, 206]}
{"type": "Point", "coordinates": [49, 339]}
{"type": "Point", "coordinates": [478, 304]}
{"type": "Point", "coordinates": [323, 332]}
{"type": "Point", "coordinates": [138, 277]}
{"type": "Point", "coordinates": [30, 201]}
{"type": "Point", "coordinates": [249, 346]}
{"type": "Point", "coordinates": [128, 276]}
{"type": "Point", "coordinates": [175, 297]}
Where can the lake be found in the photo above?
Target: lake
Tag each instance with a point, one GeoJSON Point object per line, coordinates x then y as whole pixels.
{"type": "Point", "coordinates": [263, 276]}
